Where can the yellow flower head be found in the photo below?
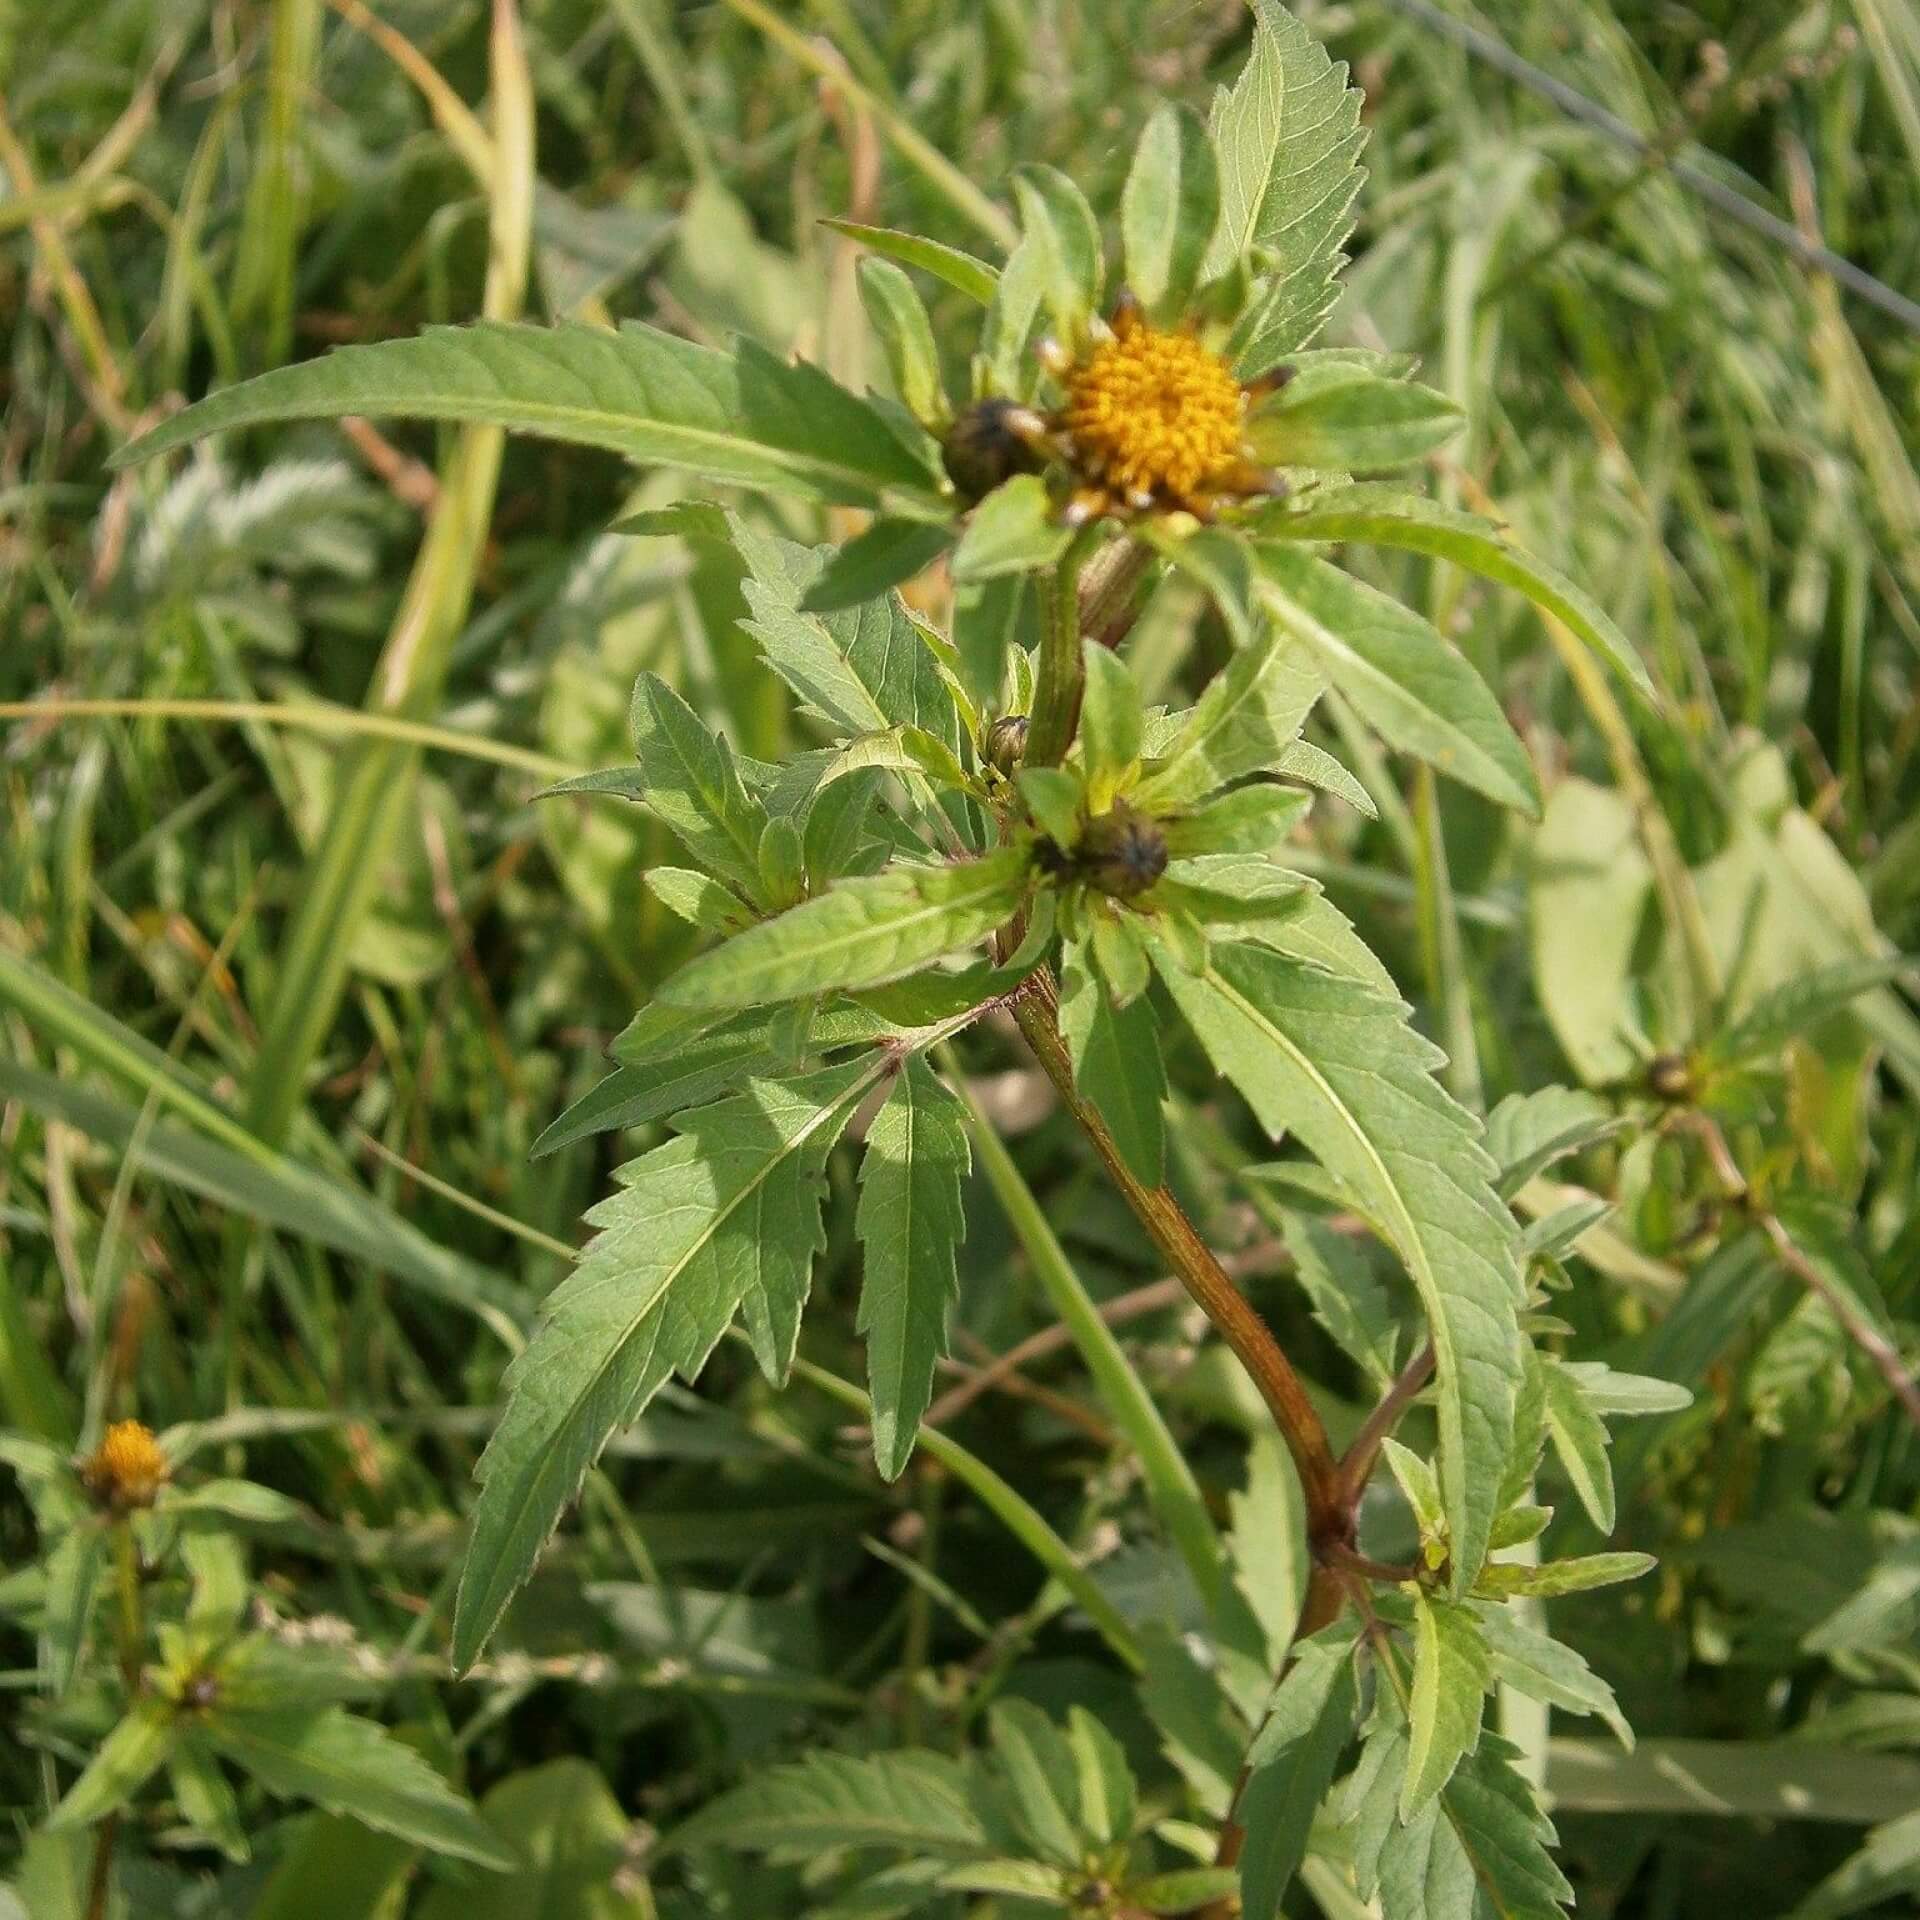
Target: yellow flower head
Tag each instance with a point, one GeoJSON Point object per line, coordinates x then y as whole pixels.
{"type": "Point", "coordinates": [1150, 420]}
{"type": "Point", "coordinates": [1153, 412]}
{"type": "Point", "coordinates": [127, 1469]}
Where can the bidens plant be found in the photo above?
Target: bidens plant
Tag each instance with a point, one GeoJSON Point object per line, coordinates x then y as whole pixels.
{"type": "Point", "coordinates": [996, 820]}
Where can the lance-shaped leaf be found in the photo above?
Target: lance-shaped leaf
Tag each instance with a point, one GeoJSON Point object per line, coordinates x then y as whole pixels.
{"type": "Point", "coordinates": [1289, 139]}
{"type": "Point", "coordinates": [1406, 681]}
{"type": "Point", "coordinates": [121, 1765]}
{"type": "Point", "coordinates": [1169, 208]}
{"type": "Point", "coordinates": [1116, 1062]}
{"type": "Point", "coordinates": [750, 420]}
{"type": "Point", "coordinates": [1451, 1674]}
{"type": "Point", "coordinates": [353, 1766]}
{"type": "Point", "coordinates": [910, 1222]}
{"type": "Point", "coordinates": [970, 275]}
{"type": "Point", "coordinates": [1337, 1064]}
{"type": "Point", "coordinates": [731, 1205]}
{"type": "Point", "coordinates": [1242, 724]}
{"type": "Point", "coordinates": [1386, 517]}
{"type": "Point", "coordinates": [1346, 417]}
{"type": "Point", "coordinates": [859, 933]}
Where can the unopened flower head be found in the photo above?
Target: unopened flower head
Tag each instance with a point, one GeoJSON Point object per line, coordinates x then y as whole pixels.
{"type": "Point", "coordinates": [127, 1469]}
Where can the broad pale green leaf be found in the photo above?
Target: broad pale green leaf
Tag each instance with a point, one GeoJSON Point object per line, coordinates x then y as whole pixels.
{"type": "Point", "coordinates": [122, 1764]}
{"type": "Point", "coordinates": [1401, 675]}
{"type": "Point", "coordinates": [1579, 1438]}
{"type": "Point", "coordinates": [888, 554]}
{"type": "Point", "coordinates": [1169, 208]}
{"type": "Point", "coordinates": [572, 1839]}
{"type": "Point", "coordinates": [1108, 1801]}
{"type": "Point", "coordinates": [910, 1222]}
{"type": "Point", "coordinates": [859, 933]}
{"type": "Point", "coordinates": [1607, 1391]}
{"type": "Point", "coordinates": [207, 1802]}
{"type": "Point", "coordinates": [1116, 1063]}
{"type": "Point", "coordinates": [1451, 1677]}
{"type": "Point", "coordinates": [1388, 518]}
{"type": "Point", "coordinates": [1291, 1765]}
{"type": "Point", "coordinates": [1337, 1064]}
{"type": "Point", "coordinates": [1348, 420]}
{"type": "Point", "coordinates": [1288, 137]}
{"type": "Point", "coordinates": [969, 275]}
{"type": "Point", "coordinates": [750, 420]}
{"type": "Point", "coordinates": [1418, 1483]}
{"type": "Point", "coordinates": [1244, 722]}
{"type": "Point", "coordinates": [1185, 1890]}
{"type": "Point", "coordinates": [697, 898]}
{"type": "Point", "coordinates": [353, 1766]}
{"type": "Point", "coordinates": [1251, 819]}
{"type": "Point", "coordinates": [1003, 365]}
{"type": "Point", "coordinates": [1015, 529]}
{"type": "Point", "coordinates": [1348, 1298]}
{"type": "Point", "coordinates": [691, 784]}
{"type": "Point", "coordinates": [907, 1799]}
{"type": "Point", "coordinates": [730, 1207]}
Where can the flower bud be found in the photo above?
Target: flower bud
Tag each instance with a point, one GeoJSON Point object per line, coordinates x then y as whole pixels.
{"type": "Point", "coordinates": [1123, 852]}
{"type": "Point", "coordinates": [127, 1469]}
{"type": "Point", "coordinates": [989, 444]}
{"type": "Point", "coordinates": [1007, 743]}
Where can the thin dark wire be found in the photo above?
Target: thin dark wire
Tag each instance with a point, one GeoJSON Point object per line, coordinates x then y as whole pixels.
{"type": "Point", "coordinates": [1730, 201]}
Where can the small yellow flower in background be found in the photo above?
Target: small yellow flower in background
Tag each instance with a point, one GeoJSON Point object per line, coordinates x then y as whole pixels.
{"type": "Point", "coordinates": [127, 1469]}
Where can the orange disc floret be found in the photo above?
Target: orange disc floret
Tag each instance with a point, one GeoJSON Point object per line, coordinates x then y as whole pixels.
{"type": "Point", "coordinates": [127, 1469]}
{"type": "Point", "coordinates": [1154, 413]}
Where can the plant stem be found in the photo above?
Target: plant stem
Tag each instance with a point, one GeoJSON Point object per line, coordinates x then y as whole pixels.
{"type": "Point", "coordinates": [132, 1635]}
{"type": "Point", "coordinates": [1056, 692]}
{"type": "Point", "coordinates": [1180, 1244]}
{"type": "Point", "coordinates": [1356, 1464]}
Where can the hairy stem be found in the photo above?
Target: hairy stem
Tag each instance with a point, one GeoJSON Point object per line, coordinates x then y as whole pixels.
{"type": "Point", "coordinates": [1356, 1464]}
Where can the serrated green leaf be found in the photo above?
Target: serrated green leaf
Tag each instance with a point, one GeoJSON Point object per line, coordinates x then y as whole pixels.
{"type": "Point", "coordinates": [750, 420]}
{"type": "Point", "coordinates": [1116, 1062]}
{"type": "Point", "coordinates": [971, 276]}
{"type": "Point", "coordinates": [1108, 1801]}
{"type": "Point", "coordinates": [907, 1799]}
{"type": "Point", "coordinates": [1288, 137]}
{"type": "Point", "coordinates": [861, 932]}
{"type": "Point", "coordinates": [1347, 1298]}
{"type": "Point", "coordinates": [1419, 1483]}
{"type": "Point", "coordinates": [1579, 1439]}
{"type": "Point", "coordinates": [888, 554]}
{"type": "Point", "coordinates": [355, 1767]}
{"type": "Point", "coordinates": [691, 784]}
{"type": "Point", "coordinates": [1015, 529]}
{"type": "Point", "coordinates": [1337, 1065]}
{"type": "Point", "coordinates": [1312, 767]}
{"type": "Point", "coordinates": [1500, 1581]}
{"type": "Point", "coordinates": [131, 1754]}
{"type": "Point", "coordinates": [898, 316]}
{"type": "Point", "coordinates": [1042, 1778]}
{"type": "Point", "coordinates": [1388, 518]}
{"type": "Point", "coordinates": [1543, 1669]}
{"type": "Point", "coordinates": [1608, 1391]}
{"type": "Point", "coordinates": [910, 1223]}
{"type": "Point", "coordinates": [1348, 420]}
{"type": "Point", "coordinates": [1251, 819]}
{"type": "Point", "coordinates": [1169, 208]}
{"type": "Point", "coordinates": [1796, 1005]}
{"type": "Point", "coordinates": [1528, 1132]}
{"type": "Point", "coordinates": [1249, 715]}
{"type": "Point", "coordinates": [1451, 1678]}
{"type": "Point", "coordinates": [1407, 683]}
{"type": "Point", "coordinates": [728, 1209]}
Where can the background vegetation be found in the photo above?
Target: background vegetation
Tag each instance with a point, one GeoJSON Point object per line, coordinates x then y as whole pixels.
{"type": "Point", "coordinates": [287, 998]}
